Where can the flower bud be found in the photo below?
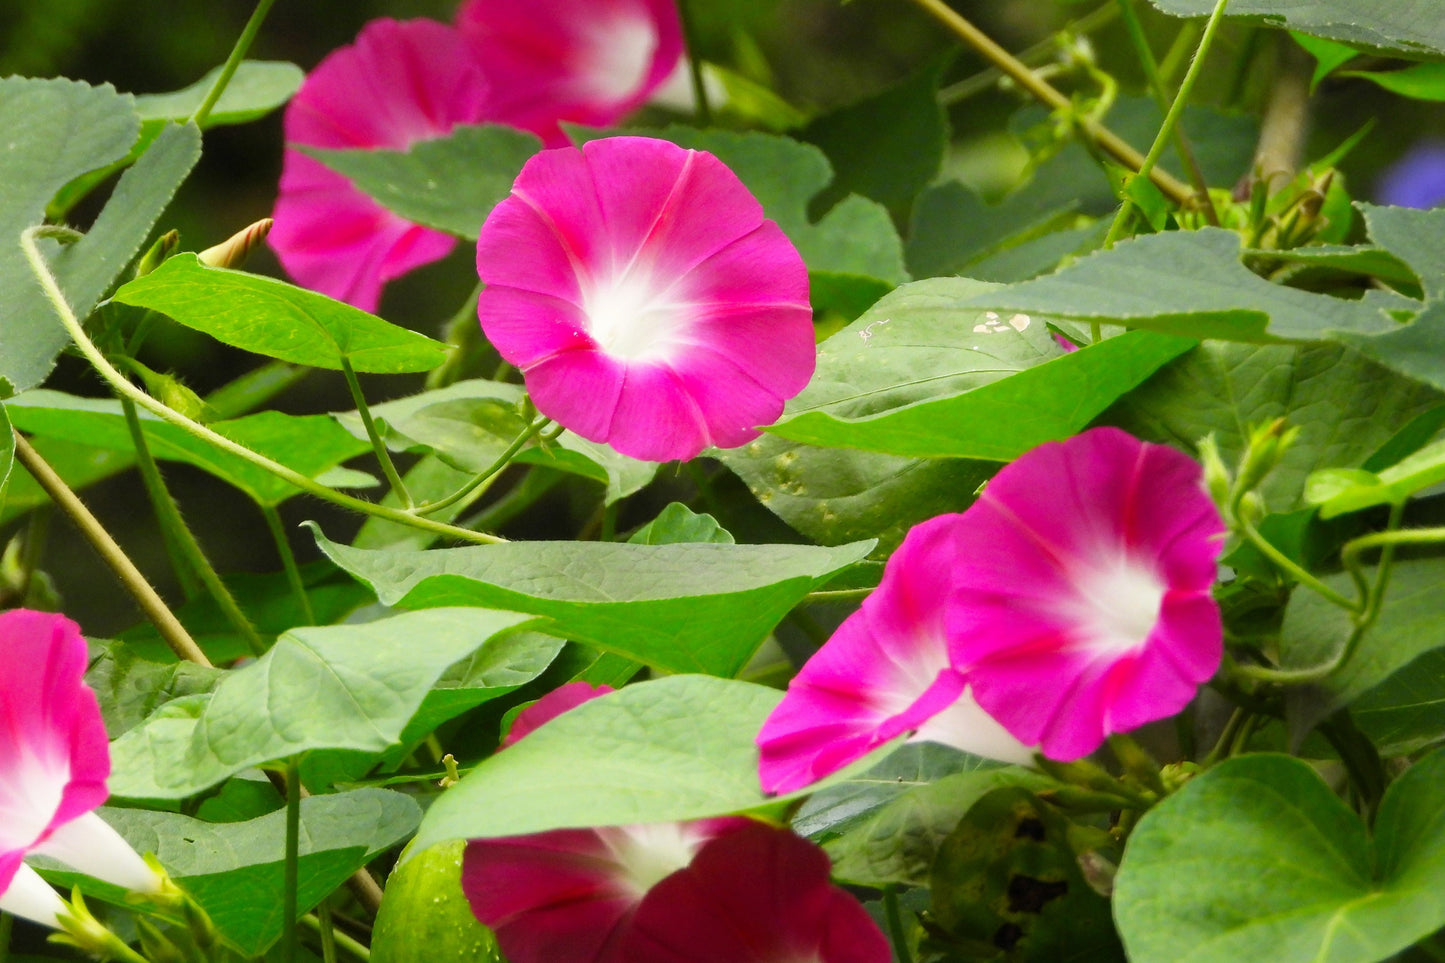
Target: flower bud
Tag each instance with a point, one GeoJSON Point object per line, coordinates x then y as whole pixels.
{"type": "Point", "coordinates": [232, 252]}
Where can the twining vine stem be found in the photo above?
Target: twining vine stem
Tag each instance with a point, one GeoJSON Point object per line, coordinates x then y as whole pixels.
{"type": "Point", "coordinates": [233, 62]}
{"type": "Point", "coordinates": [1051, 96]}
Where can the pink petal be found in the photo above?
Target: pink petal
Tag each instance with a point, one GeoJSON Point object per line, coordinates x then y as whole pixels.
{"type": "Point", "coordinates": [401, 82]}
{"type": "Point", "coordinates": [758, 895]}
{"type": "Point", "coordinates": [648, 304]}
{"type": "Point", "coordinates": [561, 699]}
{"type": "Point", "coordinates": [885, 671]}
{"type": "Point", "coordinates": [1081, 605]}
{"type": "Point", "coordinates": [586, 61]}
{"type": "Point", "coordinates": [568, 894]}
{"type": "Point", "coordinates": [54, 753]}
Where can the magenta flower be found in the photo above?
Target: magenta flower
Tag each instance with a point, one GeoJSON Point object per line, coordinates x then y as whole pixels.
{"type": "Point", "coordinates": [401, 82]}
{"type": "Point", "coordinates": [1081, 590]}
{"type": "Point", "coordinates": [54, 761]}
{"type": "Point", "coordinates": [585, 61]}
{"type": "Point", "coordinates": [568, 894]}
{"type": "Point", "coordinates": [645, 297]}
{"type": "Point", "coordinates": [885, 672]}
{"type": "Point", "coordinates": [757, 895]}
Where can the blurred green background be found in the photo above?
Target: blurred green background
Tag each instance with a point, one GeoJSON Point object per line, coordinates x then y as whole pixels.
{"type": "Point", "coordinates": [817, 54]}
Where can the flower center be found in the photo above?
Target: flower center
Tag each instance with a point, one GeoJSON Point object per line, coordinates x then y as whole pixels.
{"type": "Point", "coordinates": [648, 853]}
{"type": "Point", "coordinates": [30, 795]}
{"type": "Point", "coordinates": [1120, 605]}
{"type": "Point", "coordinates": [619, 55]}
{"type": "Point", "coordinates": [627, 321]}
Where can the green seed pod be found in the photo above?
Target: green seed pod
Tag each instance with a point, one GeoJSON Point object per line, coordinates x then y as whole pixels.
{"type": "Point", "coordinates": [425, 918]}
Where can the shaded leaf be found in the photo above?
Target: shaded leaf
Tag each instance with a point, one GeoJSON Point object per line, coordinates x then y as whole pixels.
{"type": "Point", "coordinates": [450, 183]}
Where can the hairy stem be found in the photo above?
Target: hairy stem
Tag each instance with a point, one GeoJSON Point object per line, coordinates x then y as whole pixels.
{"type": "Point", "coordinates": [503, 460]}
{"type": "Point", "coordinates": [1107, 141]}
{"type": "Point", "coordinates": [165, 621]}
{"type": "Point", "coordinates": [1039, 53]}
{"type": "Point", "coordinates": [694, 62]}
{"type": "Point", "coordinates": [122, 386]}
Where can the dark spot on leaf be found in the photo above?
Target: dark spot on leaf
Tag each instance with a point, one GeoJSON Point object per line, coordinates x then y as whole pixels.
{"type": "Point", "coordinates": [1028, 895]}
{"type": "Point", "coordinates": [1007, 935]}
{"type": "Point", "coordinates": [1030, 828]}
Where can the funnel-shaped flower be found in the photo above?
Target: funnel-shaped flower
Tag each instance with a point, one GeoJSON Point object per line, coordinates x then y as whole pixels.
{"type": "Point", "coordinates": [586, 61]}
{"type": "Point", "coordinates": [568, 894]}
{"type": "Point", "coordinates": [885, 672]}
{"type": "Point", "coordinates": [757, 895]}
{"type": "Point", "coordinates": [1081, 603]}
{"type": "Point", "coordinates": [401, 82]}
{"type": "Point", "coordinates": [649, 303]}
{"type": "Point", "coordinates": [54, 761]}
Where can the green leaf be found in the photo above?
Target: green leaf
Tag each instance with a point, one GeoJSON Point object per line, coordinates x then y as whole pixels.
{"type": "Point", "coordinates": [470, 424]}
{"type": "Point", "coordinates": [55, 130]}
{"type": "Point", "coordinates": [887, 147]}
{"type": "Point", "coordinates": [1423, 81]}
{"type": "Point", "coordinates": [451, 183]}
{"type": "Point", "coordinates": [1410, 28]}
{"type": "Point", "coordinates": [1415, 237]}
{"type": "Point", "coordinates": [1188, 283]}
{"type": "Point", "coordinates": [677, 524]}
{"type": "Point", "coordinates": [683, 608]}
{"type": "Point", "coordinates": [310, 444]}
{"type": "Point", "coordinates": [1328, 55]}
{"type": "Point", "coordinates": [331, 687]}
{"type": "Point", "coordinates": [855, 237]}
{"type": "Point", "coordinates": [1344, 405]}
{"type": "Point", "coordinates": [1258, 859]}
{"type": "Point", "coordinates": [675, 748]}
{"type": "Point", "coordinates": [236, 870]}
{"type": "Point", "coordinates": [1411, 623]}
{"type": "Point", "coordinates": [257, 88]}
{"type": "Point", "coordinates": [1339, 491]}
{"type": "Point", "coordinates": [896, 381]}
{"type": "Point", "coordinates": [279, 320]}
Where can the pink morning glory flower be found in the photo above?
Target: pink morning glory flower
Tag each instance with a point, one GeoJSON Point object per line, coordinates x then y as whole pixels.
{"type": "Point", "coordinates": [54, 761]}
{"type": "Point", "coordinates": [886, 671]}
{"type": "Point", "coordinates": [585, 61]}
{"type": "Point", "coordinates": [568, 894]}
{"type": "Point", "coordinates": [757, 895]}
{"type": "Point", "coordinates": [401, 82]}
{"type": "Point", "coordinates": [1081, 598]}
{"type": "Point", "coordinates": [646, 299]}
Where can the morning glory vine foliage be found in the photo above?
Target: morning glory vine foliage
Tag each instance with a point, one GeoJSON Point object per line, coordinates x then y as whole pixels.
{"type": "Point", "coordinates": [790, 550]}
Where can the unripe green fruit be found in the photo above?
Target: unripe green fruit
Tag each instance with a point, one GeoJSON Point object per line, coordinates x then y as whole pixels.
{"type": "Point", "coordinates": [425, 918]}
